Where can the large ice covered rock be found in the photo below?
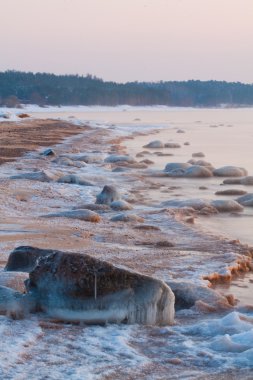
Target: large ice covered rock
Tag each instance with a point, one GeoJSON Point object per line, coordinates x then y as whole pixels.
{"type": "Point", "coordinates": [75, 287]}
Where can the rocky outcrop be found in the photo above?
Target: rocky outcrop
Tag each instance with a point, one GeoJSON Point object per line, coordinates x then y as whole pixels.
{"type": "Point", "coordinates": [75, 287]}
{"type": "Point", "coordinates": [108, 195]}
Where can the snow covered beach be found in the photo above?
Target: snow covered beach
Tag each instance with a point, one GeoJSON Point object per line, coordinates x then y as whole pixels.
{"type": "Point", "coordinates": [209, 335]}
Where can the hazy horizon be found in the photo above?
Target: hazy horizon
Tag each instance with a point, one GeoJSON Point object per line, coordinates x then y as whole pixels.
{"type": "Point", "coordinates": [130, 40]}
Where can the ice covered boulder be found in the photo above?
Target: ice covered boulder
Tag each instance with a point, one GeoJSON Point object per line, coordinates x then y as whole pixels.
{"type": "Point", "coordinates": [14, 280]}
{"type": "Point", "coordinates": [156, 144]}
{"type": "Point", "coordinates": [197, 171]}
{"type": "Point", "coordinates": [12, 303]}
{"type": "Point", "coordinates": [42, 176]}
{"type": "Point", "coordinates": [85, 215]}
{"type": "Point", "coordinates": [189, 294]}
{"type": "Point", "coordinates": [127, 218]}
{"type": "Point", "coordinates": [196, 204]}
{"type": "Point", "coordinates": [76, 287]}
{"type": "Point", "coordinates": [25, 258]}
{"type": "Point", "coordinates": [223, 205]}
{"type": "Point", "coordinates": [48, 152]}
{"type": "Point", "coordinates": [93, 207]}
{"type": "Point", "coordinates": [108, 195]}
{"type": "Point", "coordinates": [114, 158]}
{"type": "Point", "coordinates": [176, 167]}
{"type": "Point", "coordinates": [72, 178]}
{"type": "Point", "coordinates": [121, 205]}
{"type": "Point", "coordinates": [65, 161]}
{"type": "Point", "coordinates": [246, 200]}
{"type": "Point", "coordinates": [230, 171]}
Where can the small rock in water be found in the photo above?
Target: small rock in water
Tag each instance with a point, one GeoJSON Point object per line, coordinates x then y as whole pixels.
{"type": "Point", "coordinates": [172, 145]}
{"type": "Point", "coordinates": [48, 152]}
{"type": "Point", "coordinates": [198, 154]}
{"type": "Point", "coordinates": [231, 192]}
{"type": "Point", "coordinates": [246, 200]}
{"type": "Point", "coordinates": [156, 144]}
{"type": "Point", "coordinates": [180, 131]}
{"type": "Point", "coordinates": [230, 171]}
{"type": "Point", "coordinates": [226, 205]}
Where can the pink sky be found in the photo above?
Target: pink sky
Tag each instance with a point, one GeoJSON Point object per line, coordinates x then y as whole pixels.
{"type": "Point", "coordinates": [127, 40]}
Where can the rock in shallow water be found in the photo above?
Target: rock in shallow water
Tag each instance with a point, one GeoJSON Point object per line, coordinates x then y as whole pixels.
{"type": "Point", "coordinates": [230, 171]}
{"type": "Point", "coordinates": [156, 144]}
{"type": "Point", "coordinates": [75, 287]}
{"type": "Point", "coordinates": [246, 200]}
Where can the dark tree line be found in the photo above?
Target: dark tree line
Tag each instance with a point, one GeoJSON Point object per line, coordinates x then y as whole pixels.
{"type": "Point", "coordinates": [49, 89]}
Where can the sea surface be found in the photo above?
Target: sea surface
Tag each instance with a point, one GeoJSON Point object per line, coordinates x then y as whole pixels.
{"type": "Point", "coordinates": [225, 136]}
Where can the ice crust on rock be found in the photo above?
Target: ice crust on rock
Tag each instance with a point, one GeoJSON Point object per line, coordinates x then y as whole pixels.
{"type": "Point", "coordinates": [114, 158]}
{"type": "Point", "coordinates": [223, 205]}
{"type": "Point", "coordinates": [78, 287]}
{"type": "Point", "coordinates": [108, 195]}
{"type": "Point", "coordinates": [82, 214]}
{"type": "Point", "coordinates": [246, 200]}
{"type": "Point", "coordinates": [72, 178]}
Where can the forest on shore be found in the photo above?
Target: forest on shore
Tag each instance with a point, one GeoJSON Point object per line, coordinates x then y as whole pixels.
{"type": "Point", "coordinates": [44, 89]}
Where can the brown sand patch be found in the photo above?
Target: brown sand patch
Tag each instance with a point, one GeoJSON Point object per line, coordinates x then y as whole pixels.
{"type": "Point", "coordinates": [17, 139]}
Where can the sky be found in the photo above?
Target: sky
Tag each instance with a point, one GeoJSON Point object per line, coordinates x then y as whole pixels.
{"type": "Point", "coordinates": [129, 40]}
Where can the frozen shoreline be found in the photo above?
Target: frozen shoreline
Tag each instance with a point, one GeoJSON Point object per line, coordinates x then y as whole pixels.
{"type": "Point", "coordinates": [124, 245]}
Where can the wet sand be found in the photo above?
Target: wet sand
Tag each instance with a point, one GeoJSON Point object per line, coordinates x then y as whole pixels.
{"type": "Point", "coordinates": [21, 137]}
